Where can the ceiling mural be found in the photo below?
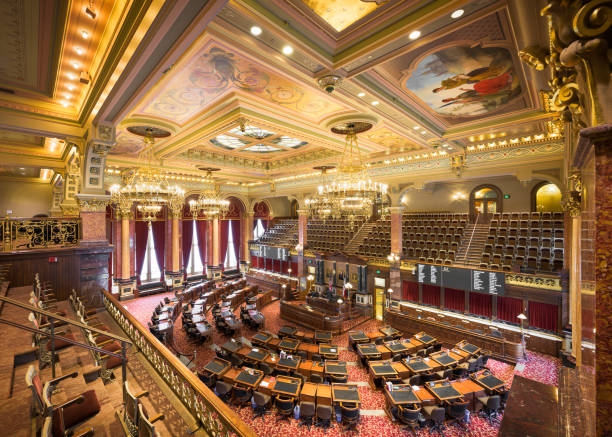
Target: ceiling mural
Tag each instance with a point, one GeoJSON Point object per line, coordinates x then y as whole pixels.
{"type": "Point", "coordinates": [387, 138]}
{"type": "Point", "coordinates": [250, 138]}
{"type": "Point", "coordinates": [340, 14]}
{"type": "Point", "coordinates": [465, 81]}
{"type": "Point", "coordinates": [215, 71]}
{"type": "Point", "coordinates": [127, 143]}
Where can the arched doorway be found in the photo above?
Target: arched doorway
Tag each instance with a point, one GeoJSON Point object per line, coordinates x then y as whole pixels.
{"type": "Point", "coordinates": [546, 196]}
{"type": "Point", "coordinates": [485, 200]}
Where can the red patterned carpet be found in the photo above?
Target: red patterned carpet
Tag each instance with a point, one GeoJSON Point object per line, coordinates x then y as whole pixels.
{"type": "Point", "coordinates": [374, 422]}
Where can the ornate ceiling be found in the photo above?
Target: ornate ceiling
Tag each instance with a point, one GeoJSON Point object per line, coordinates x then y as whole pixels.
{"type": "Point", "coordinates": [435, 77]}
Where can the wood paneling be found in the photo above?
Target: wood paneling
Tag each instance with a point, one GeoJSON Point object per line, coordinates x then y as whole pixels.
{"type": "Point", "coordinates": [84, 269]}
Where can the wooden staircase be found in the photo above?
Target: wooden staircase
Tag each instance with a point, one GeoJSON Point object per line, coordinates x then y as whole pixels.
{"type": "Point", "coordinates": [352, 247]}
{"type": "Point", "coordinates": [472, 244]}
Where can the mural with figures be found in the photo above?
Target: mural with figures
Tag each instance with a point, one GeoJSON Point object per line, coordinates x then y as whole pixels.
{"type": "Point", "coordinates": [215, 71]}
{"type": "Point", "coordinates": [465, 81]}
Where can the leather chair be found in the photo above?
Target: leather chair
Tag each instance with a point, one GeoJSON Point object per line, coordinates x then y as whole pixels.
{"type": "Point", "coordinates": [338, 379]}
{"type": "Point", "coordinates": [316, 357]}
{"type": "Point", "coordinates": [235, 360]}
{"type": "Point", "coordinates": [307, 412]}
{"type": "Point", "coordinates": [415, 380]}
{"type": "Point", "coordinates": [284, 405]}
{"type": "Point", "coordinates": [71, 413]}
{"type": "Point", "coordinates": [224, 390]}
{"type": "Point", "coordinates": [491, 408]}
{"type": "Point", "coordinates": [350, 416]}
{"type": "Point", "coordinates": [261, 403]}
{"type": "Point", "coordinates": [323, 417]}
{"type": "Point", "coordinates": [267, 370]}
{"type": "Point", "coordinates": [316, 378]}
{"type": "Point", "coordinates": [208, 379]}
{"type": "Point", "coordinates": [146, 427]}
{"type": "Point", "coordinates": [242, 396]}
{"type": "Point", "coordinates": [456, 413]}
{"type": "Point", "coordinates": [409, 417]}
{"type": "Point", "coordinates": [436, 416]}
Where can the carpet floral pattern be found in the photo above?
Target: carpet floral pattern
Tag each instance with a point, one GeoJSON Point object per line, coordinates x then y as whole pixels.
{"type": "Point", "coordinates": [374, 422]}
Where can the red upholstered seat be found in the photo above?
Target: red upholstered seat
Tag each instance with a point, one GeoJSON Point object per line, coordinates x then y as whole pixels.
{"type": "Point", "coordinates": [102, 338]}
{"type": "Point", "coordinates": [60, 344]}
{"type": "Point", "coordinates": [111, 347]}
{"type": "Point", "coordinates": [75, 413]}
{"type": "Point", "coordinates": [112, 362]}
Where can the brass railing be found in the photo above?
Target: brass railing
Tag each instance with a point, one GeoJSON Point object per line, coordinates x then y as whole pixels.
{"type": "Point", "coordinates": [216, 417]}
{"type": "Point", "coordinates": [39, 233]}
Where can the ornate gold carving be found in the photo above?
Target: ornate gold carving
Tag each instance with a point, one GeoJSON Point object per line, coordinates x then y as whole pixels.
{"type": "Point", "coordinates": [93, 205]}
{"type": "Point", "coordinates": [572, 199]}
{"type": "Point", "coordinates": [533, 281]}
{"type": "Point", "coordinates": [70, 209]}
{"type": "Point", "coordinates": [20, 234]}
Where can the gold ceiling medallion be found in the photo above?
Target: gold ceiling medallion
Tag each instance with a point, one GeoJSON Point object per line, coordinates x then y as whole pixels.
{"type": "Point", "coordinates": [351, 193]}
{"type": "Point", "coordinates": [329, 82]}
{"type": "Point", "coordinates": [210, 203]}
{"type": "Point", "coordinates": [144, 186]}
{"type": "Point", "coordinates": [457, 163]}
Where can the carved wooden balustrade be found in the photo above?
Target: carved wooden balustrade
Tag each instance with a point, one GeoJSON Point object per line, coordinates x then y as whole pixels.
{"type": "Point", "coordinates": [215, 416]}
{"type": "Point", "coordinates": [38, 233]}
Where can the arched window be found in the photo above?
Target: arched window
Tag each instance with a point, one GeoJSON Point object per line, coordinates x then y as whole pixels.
{"type": "Point", "coordinates": [485, 200]}
{"type": "Point", "coordinates": [150, 269]}
{"type": "Point", "coordinates": [230, 255]}
{"type": "Point", "coordinates": [546, 196]}
{"type": "Point", "coordinates": [195, 266]}
{"type": "Point", "coordinates": [259, 229]}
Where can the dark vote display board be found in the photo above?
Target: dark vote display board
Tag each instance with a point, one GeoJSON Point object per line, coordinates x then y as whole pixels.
{"type": "Point", "coordinates": [271, 252]}
{"type": "Point", "coordinates": [478, 281]}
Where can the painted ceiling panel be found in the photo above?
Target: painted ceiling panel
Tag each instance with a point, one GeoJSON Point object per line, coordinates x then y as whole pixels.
{"type": "Point", "coordinates": [342, 13]}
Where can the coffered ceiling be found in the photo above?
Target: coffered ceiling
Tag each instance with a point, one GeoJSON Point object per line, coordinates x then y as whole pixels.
{"type": "Point", "coordinates": [235, 83]}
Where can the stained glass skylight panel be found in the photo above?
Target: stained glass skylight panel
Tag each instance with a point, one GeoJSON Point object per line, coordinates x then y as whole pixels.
{"type": "Point", "coordinates": [262, 148]}
{"type": "Point", "coordinates": [252, 131]}
{"type": "Point", "coordinates": [228, 142]}
{"type": "Point", "coordinates": [286, 141]}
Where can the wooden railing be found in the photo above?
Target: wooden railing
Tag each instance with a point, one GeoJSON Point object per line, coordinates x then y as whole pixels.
{"type": "Point", "coordinates": [216, 418]}
{"type": "Point", "coordinates": [38, 233]}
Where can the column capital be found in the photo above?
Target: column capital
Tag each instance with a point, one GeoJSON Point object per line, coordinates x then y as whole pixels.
{"type": "Point", "coordinates": [93, 202]}
{"type": "Point", "coordinates": [396, 209]}
{"type": "Point", "coordinates": [572, 199]}
{"type": "Point", "coordinates": [302, 212]}
{"type": "Point", "coordinates": [70, 209]}
{"type": "Point", "coordinates": [175, 208]}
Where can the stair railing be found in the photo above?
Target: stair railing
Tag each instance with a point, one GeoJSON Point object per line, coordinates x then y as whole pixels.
{"type": "Point", "coordinates": [467, 249]}
{"type": "Point", "coordinates": [52, 324]}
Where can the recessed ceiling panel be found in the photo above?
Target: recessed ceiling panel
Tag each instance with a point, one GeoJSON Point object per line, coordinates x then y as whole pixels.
{"type": "Point", "coordinates": [391, 140]}
{"type": "Point", "coordinates": [340, 14]}
{"type": "Point", "coordinates": [21, 139]}
{"type": "Point", "coordinates": [228, 142]}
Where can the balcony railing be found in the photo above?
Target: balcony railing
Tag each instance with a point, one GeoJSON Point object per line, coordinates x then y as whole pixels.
{"type": "Point", "coordinates": [38, 233]}
{"type": "Point", "coordinates": [216, 418]}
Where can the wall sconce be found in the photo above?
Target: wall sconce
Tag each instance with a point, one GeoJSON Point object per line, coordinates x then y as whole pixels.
{"type": "Point", "coordinates": [310, 277]}
{"type": "Point", "coordinates": [459, 195]}
{"type": "Point", "coordinates": [393, 257]}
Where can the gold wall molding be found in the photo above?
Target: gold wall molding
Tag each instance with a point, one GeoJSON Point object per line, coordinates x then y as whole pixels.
{"type": "Point", "coordinates": [534, 281]}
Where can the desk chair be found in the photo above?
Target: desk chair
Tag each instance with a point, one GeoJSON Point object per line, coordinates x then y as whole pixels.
{"type": "Point", "coordinates": [303, 355]}
{"type": "Point", "coordinates": [307, 412]}
{"type": "Point", "coordinates": [491, 408]}
{"type": "Point", "coordinates": [436, 416]}
{"type": "Point", "coordinates": [323, 418]}
{"type": "Point", "coordinates": [460, 372]}
{"type": "Point", "coordinates": [338, 379]}
{"type": "Point", "coordinates": [503, 397]}
{"type": "Point", "coordinates": [224, 390]}
{"type": "Point", "coordinates": [208, 379]}
{"type": "Point", "coordinates": [415, 380]}
{"type": "Point", "coordinates": [350, 416]}
{"type": "Point", "coordinates": [146, 427]}
{"type": "Point", "coordinates": [242, 396]}
{"type": "Point", "coordinates": [235, 360]}
{"type": "Point", "coordinates": [456, 413]}
{"type": "Point", "coordinates": [130, 409]}
{"type": "Point", "coordinates": [397, 357]}
{"type": "Point", "coordinates": [316, 357]}
{"type": "Point", "coordinates": [473, 365]}
{"type": "Point", "coordinates": [445, 374]}
{"type": "Point", "coordinates": [316, 378]}
{"type": "Point", "coordinates": [409, 417]}
{"type": "Point", "coordinates": [267, 370]}
{"type": "Point", "coordinates": [261, 403]}
{"type": "Point", "coordinates": [284, 405]}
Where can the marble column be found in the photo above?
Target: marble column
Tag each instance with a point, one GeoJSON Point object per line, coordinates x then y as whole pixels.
{"type": "Point", "coordinates": [597, 142]}
{"type": "Point", "coordinates": [216, 246]}
{"type": "Point", "coordinates": [93, 219]}
{"type": "Point", "coordinates": [575, 288]}
{"type": "Point", "coordinates": [395, 280]}
{"type": "Point", "coordinates": [248, 235]}
{"type": "Point", "coordinates": [174, 273]}
{"type": "Point", "coordinates": [126, 281]}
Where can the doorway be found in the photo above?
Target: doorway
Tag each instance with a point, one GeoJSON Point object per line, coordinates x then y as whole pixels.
{"type": "Point", "coordinates": [485, 201]}
{"type": "Point", "coordinates": [379, 301]}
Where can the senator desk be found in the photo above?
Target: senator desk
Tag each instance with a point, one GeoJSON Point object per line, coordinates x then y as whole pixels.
{"type": "Point", "coordinates": [261, 338]}
{"type": "Point", "coordinates": [231, 346]}
{"type": "Point", "coordinates": [399, 348]}
{"type": "Point", "coordinates": [417, 366]}
{"type": "Point", "coordinates": [198, 318]}
{"type": "Point", "coordinates": [322, 336]}
{"type": "Point", "coordinates": [490, 382]}
{"type": "Point", "coordinates": [358, 337]}
{"type": "Point", "coordinates": [309, 367]}
{"type": "Point", "coordinates": [401, 369]}
{"type": "Point", "coordinates": [390, 331]}
{"type": "Point", "coordinates": [256, 355]}
{"type": "Point", "coordinates": [368, 350]}
{"type": "Point", "coordinates": [286, 386]}
{"type": "Point", "coordinates": [401, 394]}
{"type": "Point", "coordinates": [308, 392]}
{"type": "Point", "coordinates": [468, 347]}
{"type": "Point", "coordinates": [250, 379]}
{"type": "Point", "coordinates": [288, 364]}
{"type": "Point", "coordinates": [443, 391]}
{"type": "Point", "coordinates": [345, 393]}
{"type": "Point", "coordinates": [375, 335]}
{"type": "Point", "coordinates": [385, 353]}
{"type": "Point", "coordinates": [287, 331]}
{"type": "Point", "coordinates": [288, 345]}
{"type": "Point", "coordinates": [217, 367]}
{"type": "Point", "coordinates": [329, 352]}
{"type": "Point", "coordinates": [469, 390]}
{"type": "Point", "coordinates": [337, 368]}
{"type": "Point", "coordinates": [444, 360]}
{"type": "Point", "coordinates": [424, 395]}
{"type": "Point", "coordinates": [309, 348]}
{"type": "Point", "coordinates": [203, 328]}
{"type": "Point", "coordinates": [324, 394]}
{"type": "Point", "coordinates": [425, 338]}
{"type": "Point", "coordinates": [381, 368]}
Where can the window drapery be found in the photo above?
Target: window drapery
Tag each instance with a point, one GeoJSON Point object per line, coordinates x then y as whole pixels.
{"type": "Point", "coordinates": [236, 228]}
{"type": "Point", "coordinates": [223, 239]}
{"type": "Point", "coordinates": [543, 315]}
{"type": "Point", "coordinates": [187, 242]}
{"type": "Point", "coordinates": [159, 239]}
{"type": "Point", "coordinates": [201, 230]}
{"type": "Point", "coordinates": [141, 230]}
{"type": "Point", "coordinates": [431, 295]}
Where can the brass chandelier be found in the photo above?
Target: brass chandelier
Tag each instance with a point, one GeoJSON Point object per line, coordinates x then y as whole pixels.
{"type": "Point", "coordinates": [350, 193]}
{"type": "Point", "coordinates": [210, 203]}
{"type": "Point", "coordinates": [144, 186]}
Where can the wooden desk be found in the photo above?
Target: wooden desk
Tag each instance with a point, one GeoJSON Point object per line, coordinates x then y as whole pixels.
{"type": "Point", "coordinates": [384, 352]}
{"type": "Point", "coordinates": [469, 390]}
{"type": "Point", "coordinates": [323, 336]}
{"type": "Point", "coordinates": [374, 335]}
{"type": "Point", "coordinates": [324, 394]}
{"type": "Point", "coordinates": [256, 355]}
{"type": "Point", "coordinates": [381, 368]}
{"type": "Point", "coordinates": [305, 368]}
{"type": "Point", "coordinates": [231, 374]}
{"type": "Point", "coordinates": [358, 337]}
{"type": "Point", "coordinates": [336, 368]}
{"type": "Point", "coordinates": [444, 392]}
{"type": "Point", "coordinates": [489, 381]}
{"type": "Point", "coordinates": [367, 350]}
{"type": "Point", "coordinates": [329, 352]}
{"type": "Point", "coordinates": [318, 367]}
{"type": "Point", "coordinates": [468, 347]}
{"type": "Point", "coordinates": [287, 386]}
{"type": "Point", "coordinates": [217, 366]}
{"type": "Point", "coordinates": [401, 369]}
{"type": "Point", "coordinates": [288, 364]}
{"type": "Point", "coordinates": [308, 392]}
{"type": "Point", "coordinates": [288, 345]}
{"type": "Point", "coordinates": [261, 338]}
{"type": "Point", "coordinates": [390, 331]}
{"type": "Point", "coordinates": [287, 331]}
{"type": "Point", "coordinates": [250, 380]}
{"type": "Point", "coordinates": [231, 346]}
{"type": "Point", "coordinates": [424, 396]}
{"type": "Point", "coordinates": [265, 386]}
{"type": "Point", "coordinates": [443, 359]}
{"type": "Point", "coordinates": [401, 394]}
{"type": "Point", "coordinates": [273, 343]}
{"type": "Point", "coordinates": [398, 348]}
{"type": "Point", "coordinates": [417, 366]}
{"type": "Point", "coordinates": [425, 338]}
{"type": "Point", "coordinates": [345, 393]}
{"type": "Point", "coordinates": [309, 348]}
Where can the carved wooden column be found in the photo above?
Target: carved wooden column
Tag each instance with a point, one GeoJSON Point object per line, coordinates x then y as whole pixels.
{"type": "Point", "coordinates": [126, 281]}
{"type": "Point", "coordinates": [174, 274]}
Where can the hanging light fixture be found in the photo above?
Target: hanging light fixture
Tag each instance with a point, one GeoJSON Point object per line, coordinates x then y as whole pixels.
{"type": "Point", "coordinates": [350, 193]}
{"type": "Point", "coordinates": [145, 186]}
{"type": "Point", "coordinates": [210, 203]}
